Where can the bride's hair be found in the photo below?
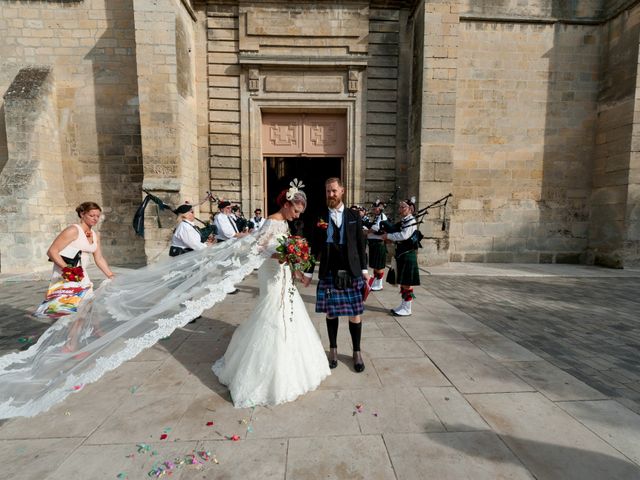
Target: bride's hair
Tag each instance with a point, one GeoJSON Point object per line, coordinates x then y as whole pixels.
{"type": "Point", "coordinates": [299, 197]}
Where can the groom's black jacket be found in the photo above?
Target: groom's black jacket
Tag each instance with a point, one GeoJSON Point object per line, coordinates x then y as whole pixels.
{"type": "Point", "coordinates": [354, 243]}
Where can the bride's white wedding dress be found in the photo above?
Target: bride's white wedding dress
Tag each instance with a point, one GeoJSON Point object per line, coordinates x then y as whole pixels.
{"type": "Point", "coordinates": [276, 354]}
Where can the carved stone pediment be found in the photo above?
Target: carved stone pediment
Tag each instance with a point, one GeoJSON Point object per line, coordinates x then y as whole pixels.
{"type": "Point", "coordinates": [303, 29]}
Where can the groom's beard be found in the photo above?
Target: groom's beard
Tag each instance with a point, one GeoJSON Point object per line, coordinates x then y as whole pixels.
{"type": "Point", "coordinates": [333, 202]}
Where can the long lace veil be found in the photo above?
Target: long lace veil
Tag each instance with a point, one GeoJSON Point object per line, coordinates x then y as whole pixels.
{"type": "Point", "coordinates": [122, 318]}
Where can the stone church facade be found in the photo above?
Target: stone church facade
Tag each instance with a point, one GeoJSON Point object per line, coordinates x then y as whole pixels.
{"type": "Point", "coordinates": [524, 110]}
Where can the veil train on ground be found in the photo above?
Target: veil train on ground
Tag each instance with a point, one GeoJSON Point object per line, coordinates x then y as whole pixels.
{"type": "Point", "coordinates": [122, 318]}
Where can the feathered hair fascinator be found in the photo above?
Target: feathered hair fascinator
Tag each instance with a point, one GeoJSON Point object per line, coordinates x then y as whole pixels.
{"type": "Point", "coordinates": [294, 187]}
{"type": "Point", "coordinates": [379, 203]}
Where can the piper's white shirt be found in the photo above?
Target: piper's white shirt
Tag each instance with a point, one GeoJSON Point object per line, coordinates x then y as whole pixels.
{"type": "Point", "coordinates": [257, 224]}
{"type": "Point", "coordinates": [226, 226]}
{"type": "Point", "coordinates": [406, 232]}
{"type": "Point", "coordinates": [376, 227]}
{"type": "Point", "coordinates": [186, 236]}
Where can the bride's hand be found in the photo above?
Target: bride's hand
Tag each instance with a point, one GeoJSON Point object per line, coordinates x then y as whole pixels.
{"type": "Point", "coordinates": [298, 275]}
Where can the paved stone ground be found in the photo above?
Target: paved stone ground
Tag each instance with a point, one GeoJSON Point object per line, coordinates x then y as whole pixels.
{"type": "Point", "coordinates": [589, 327]}
{"type": "Point", "coordinates": [445, 396]}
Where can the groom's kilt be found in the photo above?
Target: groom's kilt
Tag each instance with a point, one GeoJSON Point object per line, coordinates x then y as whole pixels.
{"type": "Point", "coordinates": [377, 254]}
{"type": "Point", "coordinates": [339, 303]}
{"type": "Point", "coordinates": [407, 269]}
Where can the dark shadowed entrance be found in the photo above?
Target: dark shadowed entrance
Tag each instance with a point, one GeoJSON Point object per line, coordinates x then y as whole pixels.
{"type": "Point", "coordinates": [313, 171]}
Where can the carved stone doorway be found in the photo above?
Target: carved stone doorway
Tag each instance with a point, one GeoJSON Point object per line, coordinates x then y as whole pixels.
{"type": "Point", "coordinates": [313, 171]}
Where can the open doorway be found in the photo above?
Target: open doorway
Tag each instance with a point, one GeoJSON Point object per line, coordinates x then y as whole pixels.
{"type": "Point", "coordinates": [312, 171]}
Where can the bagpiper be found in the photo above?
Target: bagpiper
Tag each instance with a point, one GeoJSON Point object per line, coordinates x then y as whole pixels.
{"type": "Point", "coordinates": [407, 274]}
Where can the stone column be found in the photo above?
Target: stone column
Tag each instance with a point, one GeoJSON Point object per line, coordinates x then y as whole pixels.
{"type": "Point", "coordinates": [32, 197]}
{"type": "Point", "coordinates": [168, 111]}
{"type": "Point", "coordinates": [431, 173]}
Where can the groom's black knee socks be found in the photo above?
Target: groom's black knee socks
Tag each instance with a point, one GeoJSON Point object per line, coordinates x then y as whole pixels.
{"type": "Point", "coordinates": [332, 330]}
{"type": "Point", "coordinates": [355, 329]}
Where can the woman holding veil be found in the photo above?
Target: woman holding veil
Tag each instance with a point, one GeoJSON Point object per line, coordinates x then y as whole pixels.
{"type": "Point", "coordinates": [276, 354]}
{"type": "Point", "coordinates": [138, 308]}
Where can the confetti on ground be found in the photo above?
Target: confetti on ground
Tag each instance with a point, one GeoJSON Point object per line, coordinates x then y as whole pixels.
{"type": "Point", "coordinates": [133, 388]}
{"type": "Point", "coordinates": [234, 438]}
{"type": "Point", "coordinates": [67, 414]}
{"type": "Point", "coordinates": [163, 436]}
{"type": "Point", "coordinates": [122, 476]}
{"type": "Point", "coordinates": [210, 424]}
{"type": "Point", "coordinates": [375, 414]}
{"type": "Point", "coordinates": [167, 430]}
{"type": "Point", "coordinates": [143, 447]}
{"type": "Point", "coordinates": [25, 339]}
{"type": "Point", "coordinates": [78, 387]}
{"type": "Point", "coordinates": [250, 429]}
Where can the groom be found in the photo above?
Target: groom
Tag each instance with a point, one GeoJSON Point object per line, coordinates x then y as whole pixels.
{"type": "Point", "coordinates": [339, 246]}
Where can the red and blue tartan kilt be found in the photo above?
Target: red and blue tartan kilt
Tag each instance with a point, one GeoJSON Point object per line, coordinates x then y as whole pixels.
{"type": "Point", "coordinates": [339, 303]}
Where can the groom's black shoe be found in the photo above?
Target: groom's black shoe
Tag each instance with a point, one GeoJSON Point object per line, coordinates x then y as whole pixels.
{"type": "Point", "coordinates": [358, 364]}
{"type": "Point", "coordinates": [333, 357]}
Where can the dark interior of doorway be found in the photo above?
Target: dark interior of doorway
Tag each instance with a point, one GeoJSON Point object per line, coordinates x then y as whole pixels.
{"type": "Point", "coordinates": [313, 171]}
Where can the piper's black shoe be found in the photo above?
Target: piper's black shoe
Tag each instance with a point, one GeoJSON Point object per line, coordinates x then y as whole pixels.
{"type": "Point", "coordinates": [358, 364]}
{"type": "Point", "coordinates": [333, 357]}
{"type": "Point", "coordinates": [234, 292]}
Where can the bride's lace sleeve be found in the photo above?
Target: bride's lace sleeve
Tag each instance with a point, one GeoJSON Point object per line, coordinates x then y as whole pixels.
{"type": "Point", "coordinates": [267, 237]}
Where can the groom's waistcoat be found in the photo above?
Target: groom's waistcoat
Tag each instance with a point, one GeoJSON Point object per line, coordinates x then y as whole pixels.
{"type": "Point", "coordinates": [337, 252]}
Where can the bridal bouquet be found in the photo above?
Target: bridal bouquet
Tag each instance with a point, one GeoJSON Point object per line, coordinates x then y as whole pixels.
{"type": "Point", "coordinates": [294, 250]}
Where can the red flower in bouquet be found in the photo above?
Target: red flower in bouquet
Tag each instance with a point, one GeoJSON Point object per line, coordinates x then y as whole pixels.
{"type": "Point", "coordinates": [294, 250]}
{"type": "Point", "coordinates": [72, 274]}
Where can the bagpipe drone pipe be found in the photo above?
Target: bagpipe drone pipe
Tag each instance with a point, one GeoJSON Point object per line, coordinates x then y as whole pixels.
{"type": "Point", "coordinates": [138, 218]}
{"type": "Point", "coordinates": [388, 226]}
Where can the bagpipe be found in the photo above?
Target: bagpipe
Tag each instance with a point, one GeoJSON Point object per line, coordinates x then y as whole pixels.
{"type": "Point", "coordinates": [138, 218]}
{"type": "Point", "coordinates": [369, 223]}
{"type": "Point", "coordinates": [387, 226]}
{"type": "Point", "coordinates": [241, 222]}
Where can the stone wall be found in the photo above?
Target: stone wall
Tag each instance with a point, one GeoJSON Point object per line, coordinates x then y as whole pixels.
{"type": "Point", "coordinates": [91, 49]}
{"type": "Point", "coordinates": [32, 204]}
{"type": "Point", "coordinates": [614, 230]}
{"type": "Point", "coordinates": [526, 102]}
{"type": "Point", "coordinates": [164, 34]}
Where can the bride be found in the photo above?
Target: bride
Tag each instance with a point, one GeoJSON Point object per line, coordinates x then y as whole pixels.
{"type": "Point", "coordinates": [276, 354]}
{"type": "Point", "coordinates": [136, 309]}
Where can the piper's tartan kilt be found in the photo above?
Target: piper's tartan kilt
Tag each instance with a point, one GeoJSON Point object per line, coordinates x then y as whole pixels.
{"type": "Point", "coordinates": [407, 269]}
{"type": "Point", "coordinates": [339, 303]}
{"type": "Point", "coordinates": [377, 254]}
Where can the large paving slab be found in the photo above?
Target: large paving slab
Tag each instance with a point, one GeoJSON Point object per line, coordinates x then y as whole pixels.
{"type": "Point", "coordinates": [549, 441]}
{"type": "Point", "coordinates": [453, 410]}
{"type": "Point", "coordinates": [470, 369]}
{"type": "Point", "coordinates": [552, 382]}
{"type": "Point", "coordinates": [612, 422]}
{"type": "Point", "coordinates": [34, 459]}
{"type": "Point", "coordinates": [357, 457]}
{"type": "Point", "coordinates": [141, 418]}
{"type": "Point", "coordinates": [440, 456]}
